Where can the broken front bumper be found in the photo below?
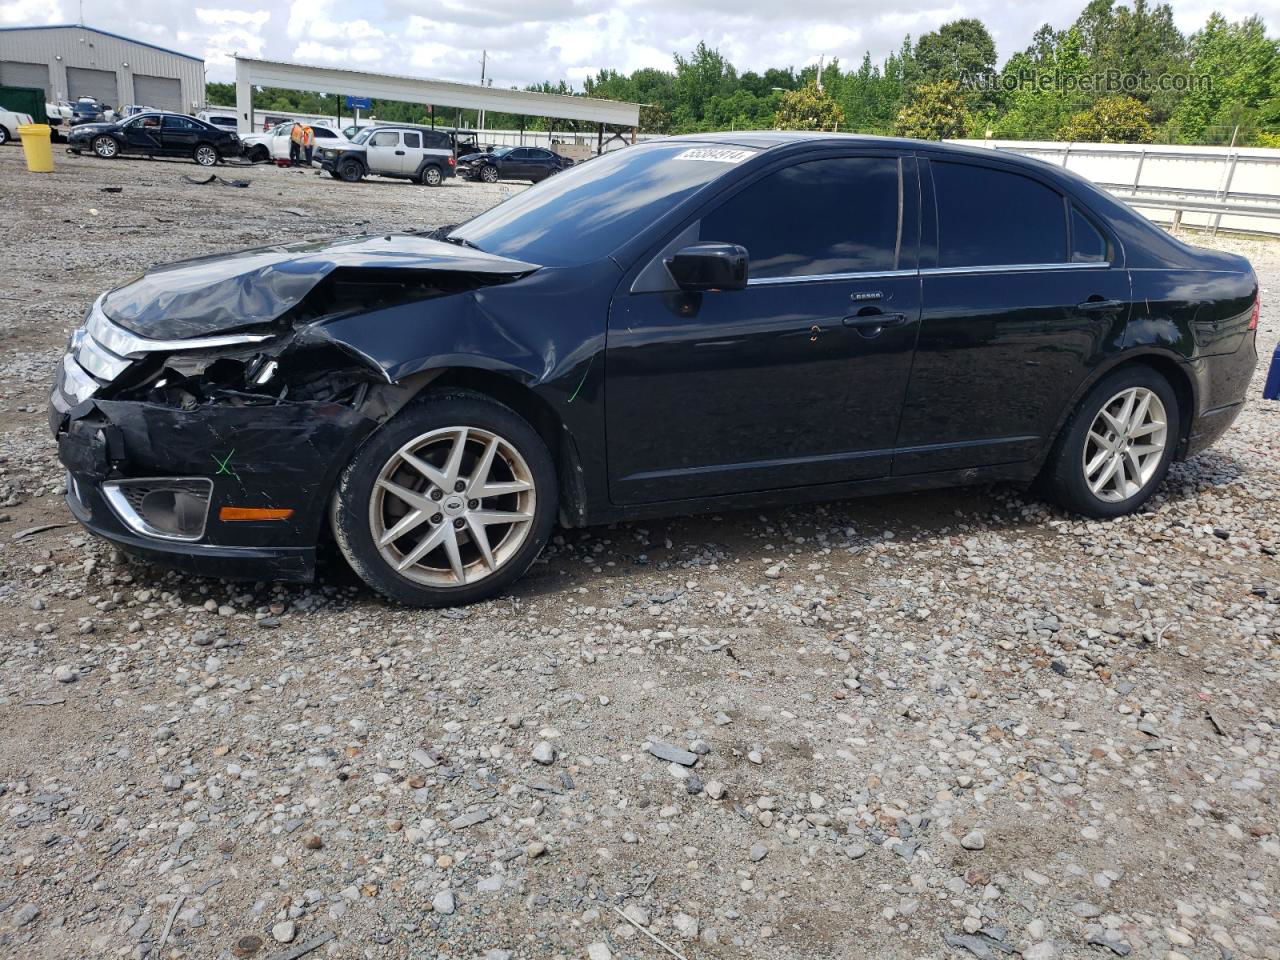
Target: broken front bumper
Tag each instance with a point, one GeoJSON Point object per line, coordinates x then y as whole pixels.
{"type": "Point", "coordinates": [284, 456]}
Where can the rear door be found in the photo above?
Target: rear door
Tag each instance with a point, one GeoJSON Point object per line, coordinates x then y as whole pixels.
{"type": "Point", "coordinates": [411, 154]}
{"type": "Point", "coordinates": [516, 166]}
{"type": "Point", "coordinates": [798, 379]}
{"type": "Point", "coordinates": [1023, 292]}
{"type": "Point", "coordinates": [385, 155]}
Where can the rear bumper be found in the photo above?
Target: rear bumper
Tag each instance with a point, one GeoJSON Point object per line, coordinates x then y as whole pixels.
{"type": "Point", "coordinates": [1222, 384]}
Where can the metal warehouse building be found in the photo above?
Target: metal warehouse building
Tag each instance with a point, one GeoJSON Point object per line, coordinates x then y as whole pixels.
{"type": "Point", "coordinates": [73, 61]}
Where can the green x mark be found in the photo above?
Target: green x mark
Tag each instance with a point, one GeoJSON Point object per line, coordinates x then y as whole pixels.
{"type": "Point", "coordinates": [224, 464]}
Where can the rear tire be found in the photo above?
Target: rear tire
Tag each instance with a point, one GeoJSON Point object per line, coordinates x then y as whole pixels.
{"type": "Point", "coordinates": [431, 176]}
{"type": "Point", "coordinates": [4, 136]}
{"type": "Point", "coordinates": [259, 154]}
{"type": "Point", "coordinates": [1115, 449]}
{"type": "Point", "coordinates": [406, 478]}
{"type": "Point", "coordinates": [205, 155]}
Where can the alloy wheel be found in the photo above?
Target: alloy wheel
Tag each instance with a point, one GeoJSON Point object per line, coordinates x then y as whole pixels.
{"type": "Point", "coordinates": [1125, 444]}
{"type": "Point", "coordinates": [489, 175]}
{"type": "Point", "coordinates": [105, 147]}
{"type": "Point", "coordinates": [432, 177]}
{"type": "Point", "coordinates": [452, 506]}
{"type": "Point", "coordinates": [206, 156]}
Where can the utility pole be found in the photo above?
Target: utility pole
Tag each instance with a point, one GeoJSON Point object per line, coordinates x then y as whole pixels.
{"type": "Point", "coordinates": [821, 60]}
{"type": "Point", "coordinates": [484, 57]}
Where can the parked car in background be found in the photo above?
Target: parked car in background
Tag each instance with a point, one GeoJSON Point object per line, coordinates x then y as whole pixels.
{"type": "Point", "coordinates": [59, 111]}
{"type": "Point", "coordinates": [691, 324]}
{"type": "Point", "coordinates": [89, 110]}
{"type": "Point", "coordinates": [402, 151]}
{"type": "Point", "coordinates": [274, 143]}
{"type": "Point", "coordinates": [10, 121]}
{"type": "Point", "coordinates": [512, 163]}
{"type": "Point", "coordinates": [223, 119]}
{"type": "Point", "coordinates": [133, 109]}
{"type": "Point", "coordinates": [157, 135]}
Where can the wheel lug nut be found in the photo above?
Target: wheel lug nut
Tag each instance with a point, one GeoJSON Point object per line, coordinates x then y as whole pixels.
{"type": "Point", "coordinates": [436, 493]}
{"type": "Point", "coordinates": [460, 486]}
{"type": "Point", "coordinates": [437, 518]}
{"type": "Point", "coordinates": [473, 504]}
{"type": "Point", "coordinates": [459, 523]}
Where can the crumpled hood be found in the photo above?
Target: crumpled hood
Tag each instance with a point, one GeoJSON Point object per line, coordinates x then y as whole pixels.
{"type": "Point", "coordinates": [228, 292]}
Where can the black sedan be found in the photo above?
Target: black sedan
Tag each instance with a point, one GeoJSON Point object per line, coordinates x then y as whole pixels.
{"type": "Point", "coordinates": [512, 163]}
{"type": "Point", "coordinates": [689, 324]}
{"type": "Point", "coordinates": [157, 135]}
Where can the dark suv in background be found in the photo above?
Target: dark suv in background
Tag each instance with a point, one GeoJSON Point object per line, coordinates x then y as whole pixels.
{"type": "Point", "coordinates": [157, 135]}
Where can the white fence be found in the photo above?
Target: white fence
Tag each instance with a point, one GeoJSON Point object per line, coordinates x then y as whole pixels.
{"type": "Point", "coordinates": [1235, 188]}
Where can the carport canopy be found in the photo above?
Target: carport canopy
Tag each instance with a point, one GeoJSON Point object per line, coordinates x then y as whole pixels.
{"type": "Point", "coordinates": [252, 73]}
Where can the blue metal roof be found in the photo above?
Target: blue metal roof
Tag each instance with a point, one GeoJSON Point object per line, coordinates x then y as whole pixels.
{"type": "Point", "coordinates": [105, 33]}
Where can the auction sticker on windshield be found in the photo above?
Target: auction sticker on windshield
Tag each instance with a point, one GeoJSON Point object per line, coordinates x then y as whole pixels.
{"type": "Point", "coordinates": [718, 154]}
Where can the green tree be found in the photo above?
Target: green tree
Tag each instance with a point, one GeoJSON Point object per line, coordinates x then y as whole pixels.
{"type": "Point", "coordinates": [1242, 67]}
{"type": "Point", "coordinates": [937, 111]}
{"type": "Point", "coordinates": [1111, 120]}
{"type": "Point", "coordinates": [808, 109]}
{"type": "Point", "coordinates": [954, 50]}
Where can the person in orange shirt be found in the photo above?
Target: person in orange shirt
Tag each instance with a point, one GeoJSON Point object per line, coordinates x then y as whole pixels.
{"type": "Point", "coordinates": [308, 142]}
{"type": "Point", "coordinates": [295, 143]}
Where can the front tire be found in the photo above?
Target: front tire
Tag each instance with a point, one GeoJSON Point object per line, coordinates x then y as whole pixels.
{"type": "Point", "coordinates": [351, 171]}
{"type": "Point", "coordinates": [1117, 446]}
{"type": "Point", "coordinates": [106, 147]}
{"type": "Point", "coordinates": [489, 174]}
{"type": "Point", "coordinates": [447, 504]}
{"type": "Point", "coordinates": [4, 136]}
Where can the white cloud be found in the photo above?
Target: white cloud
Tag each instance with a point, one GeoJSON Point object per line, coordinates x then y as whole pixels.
{"type": "Point", "coordinates": [30, 12]}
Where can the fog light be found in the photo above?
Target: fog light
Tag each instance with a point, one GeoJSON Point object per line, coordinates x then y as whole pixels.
{"type": "Point", "coordinates": [170, 508]}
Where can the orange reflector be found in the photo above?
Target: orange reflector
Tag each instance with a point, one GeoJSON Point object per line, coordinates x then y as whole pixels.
{"type": "Point", "coordinates": [254, 513]}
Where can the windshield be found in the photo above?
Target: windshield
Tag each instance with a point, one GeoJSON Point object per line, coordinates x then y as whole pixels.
{"type": "Point", "coordinates": [592, 208]}
{"type": "Point", "coordinates": [363, 135]}
{"type": "Point", "coordinates": [501, 151]}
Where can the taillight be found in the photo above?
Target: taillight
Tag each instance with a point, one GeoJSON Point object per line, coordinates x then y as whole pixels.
{"type": "Point", "coordinates": [453, 161]}
{"type": "Point", "coordinates": [1257, 310]}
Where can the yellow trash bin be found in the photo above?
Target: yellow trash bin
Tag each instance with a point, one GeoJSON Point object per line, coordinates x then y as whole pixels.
{"type": "Point", "coordinates": [36, 145]}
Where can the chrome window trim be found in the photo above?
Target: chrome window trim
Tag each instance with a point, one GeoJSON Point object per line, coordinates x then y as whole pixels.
{"type": "Point", "coordinates": [111, 491]}
{"type": "Point", "coordinates": [1017, 268]}
{"type": "Point", "coordinates": [125, 344]}
{"type": "Point", "coordinates": [819, 277]}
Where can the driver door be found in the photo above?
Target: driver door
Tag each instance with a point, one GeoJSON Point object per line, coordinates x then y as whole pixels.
{"type": "Point", "coordinates": [142, 135]}
{"type": "Point", "coordinates": [797, 380]}
{"type": "Point", "coordinates": [385, 153]}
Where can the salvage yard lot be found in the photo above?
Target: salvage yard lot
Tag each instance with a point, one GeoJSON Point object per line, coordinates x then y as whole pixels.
{"type": "Point", "coordinates": [950, 724]}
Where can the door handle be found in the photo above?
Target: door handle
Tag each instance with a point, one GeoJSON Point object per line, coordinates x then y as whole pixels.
{"type": "Point", "coordinates": [871, 324]}
{"type": "Point", "coordinates": [1099, 306]}
{"type": "Point", "coordinates": [399, 153]}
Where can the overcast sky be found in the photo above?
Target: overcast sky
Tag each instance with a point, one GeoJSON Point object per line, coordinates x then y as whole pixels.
{"type": "Point", "coordinates": [532, 40]}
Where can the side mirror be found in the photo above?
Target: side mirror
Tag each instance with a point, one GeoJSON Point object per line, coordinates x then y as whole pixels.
{"type": "Point", "coordinates": [709, 266]}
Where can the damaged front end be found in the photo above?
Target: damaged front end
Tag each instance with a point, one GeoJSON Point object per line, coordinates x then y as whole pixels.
{"type": "Point", "coordinates": [204, 424]}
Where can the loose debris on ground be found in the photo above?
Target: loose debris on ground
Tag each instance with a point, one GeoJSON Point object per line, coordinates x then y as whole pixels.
{"type": "Point", "coordinates": [957, 724]}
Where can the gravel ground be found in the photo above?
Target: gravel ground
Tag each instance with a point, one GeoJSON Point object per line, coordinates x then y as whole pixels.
{"type": "Point", "coordinates": [949, 724]}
